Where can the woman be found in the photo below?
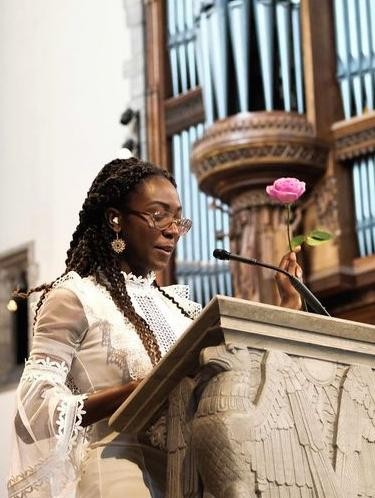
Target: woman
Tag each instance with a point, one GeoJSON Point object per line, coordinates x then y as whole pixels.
{"type": "Point", "coordinates": [99, 329]}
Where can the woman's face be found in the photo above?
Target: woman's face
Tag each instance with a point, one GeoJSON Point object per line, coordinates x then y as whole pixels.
{"type": "Point", "coordinates": [148, 248]}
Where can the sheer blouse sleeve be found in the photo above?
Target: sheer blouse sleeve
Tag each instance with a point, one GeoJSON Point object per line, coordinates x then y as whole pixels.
{"type": "Point", "coordinates": [48, 436]}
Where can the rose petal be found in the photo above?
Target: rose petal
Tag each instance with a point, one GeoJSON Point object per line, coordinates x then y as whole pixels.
{"type": "Point", "coordinates": [286, 190]}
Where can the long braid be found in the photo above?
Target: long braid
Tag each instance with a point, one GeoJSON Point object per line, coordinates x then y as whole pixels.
{"type": "Point", "coordinates": [90, 252]}
{"type": "Point", "coordinates": [44, 288]}
{"type": "Point", "coordinates": [110, 277]}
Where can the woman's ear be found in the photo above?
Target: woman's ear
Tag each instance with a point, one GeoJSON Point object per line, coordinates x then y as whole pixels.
{"type": "Point", "coordinates": [113, 217]}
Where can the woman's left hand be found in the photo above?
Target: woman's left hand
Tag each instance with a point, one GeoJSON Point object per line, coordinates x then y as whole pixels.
{"type": "Point", "coordinates": [290, 298]}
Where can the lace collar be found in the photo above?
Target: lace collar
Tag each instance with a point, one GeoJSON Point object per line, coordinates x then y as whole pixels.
{"type": "Point", "coordinates": [146, 281]}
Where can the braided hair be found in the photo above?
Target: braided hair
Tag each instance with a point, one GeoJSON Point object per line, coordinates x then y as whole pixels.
{"type": "Point", "coordinates": [90, 252]}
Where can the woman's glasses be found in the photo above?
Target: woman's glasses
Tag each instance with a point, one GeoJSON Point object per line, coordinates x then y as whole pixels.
{"type": "Point", "coordinates": [162, 220]}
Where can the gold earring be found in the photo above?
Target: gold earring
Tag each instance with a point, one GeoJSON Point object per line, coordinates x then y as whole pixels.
{"type": "Point", "coordinates": [118, 244]}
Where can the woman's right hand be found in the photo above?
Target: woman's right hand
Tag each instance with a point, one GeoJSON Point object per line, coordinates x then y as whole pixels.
{"type": "Point", "coordinates": [290, 297]}
{"type": "Point", "coordinates": [102, 404]}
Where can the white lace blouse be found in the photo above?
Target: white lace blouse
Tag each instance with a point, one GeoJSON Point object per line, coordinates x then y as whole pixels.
{"type": "Point", "coordinates": [82, 343]}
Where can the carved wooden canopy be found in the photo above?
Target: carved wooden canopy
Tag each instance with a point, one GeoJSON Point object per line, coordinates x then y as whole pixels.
{"type": "Point", "coordinates": [248, 150]}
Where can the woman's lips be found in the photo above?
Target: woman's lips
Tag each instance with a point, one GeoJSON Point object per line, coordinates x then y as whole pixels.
{"type": "Point", "coordinates": [165, 249]}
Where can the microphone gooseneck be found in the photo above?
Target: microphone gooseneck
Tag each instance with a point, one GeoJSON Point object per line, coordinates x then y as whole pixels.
{"type": "Point", "coordinates": [305, 292]}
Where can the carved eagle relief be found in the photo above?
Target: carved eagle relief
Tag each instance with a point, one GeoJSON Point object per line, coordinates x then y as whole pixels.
{"type": "Point", "coordinates": [305, 428]}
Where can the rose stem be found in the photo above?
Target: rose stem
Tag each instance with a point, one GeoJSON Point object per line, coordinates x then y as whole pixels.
{"type": "Point", "coordinates": [288, 227]}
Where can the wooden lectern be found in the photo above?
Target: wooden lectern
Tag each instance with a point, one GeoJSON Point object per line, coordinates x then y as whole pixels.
{"type": "Point", "coordinates": [260, 401]}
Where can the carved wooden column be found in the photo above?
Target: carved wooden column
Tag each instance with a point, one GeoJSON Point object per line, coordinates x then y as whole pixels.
{"type": "Point", "coordinates": [234, 161]}
{"type": "Point", "coordinates": [156, 89]}
{"type": "Point", "coordinates": [155, 77]}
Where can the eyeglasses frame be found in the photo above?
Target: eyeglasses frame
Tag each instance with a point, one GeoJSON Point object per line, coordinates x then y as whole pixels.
{"type": "Point", "coordinates": [149, 217]}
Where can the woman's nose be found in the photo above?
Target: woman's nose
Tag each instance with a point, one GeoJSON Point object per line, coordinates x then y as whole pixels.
{"type": "Point", "coordinates": [172, 230]}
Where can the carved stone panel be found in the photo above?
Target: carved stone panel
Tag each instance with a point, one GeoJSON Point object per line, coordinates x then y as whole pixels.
{"type": "Point", "coordinates": [273, 403]}
{"type": "Point", "coordinates": [268, 424]}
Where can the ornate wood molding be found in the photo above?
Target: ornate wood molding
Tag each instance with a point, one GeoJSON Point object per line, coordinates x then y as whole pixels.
{"type": "Point", "coordinates": [184, 111]}
{"type": "Point", "coordinates": [354, 137]}
{"type": "Point", "coordinates": [249, 150]}
{"type": "Point", "coordinates": [250, 199]}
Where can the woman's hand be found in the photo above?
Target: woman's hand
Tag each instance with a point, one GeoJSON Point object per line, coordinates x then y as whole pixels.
{"type": "Point", "coordinates": [102, 404]}
{"type": "Point", "coordinates": [290, 298]}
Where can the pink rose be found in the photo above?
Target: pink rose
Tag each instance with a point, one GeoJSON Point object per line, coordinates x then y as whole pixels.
{"type": "Point", "coordinates": [286, 190]}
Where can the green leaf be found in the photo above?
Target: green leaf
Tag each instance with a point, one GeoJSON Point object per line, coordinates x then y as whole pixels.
{"type": "Point", "coordinates": [320, 235]}
{"type": "Point", "coordinates": [312, 241]}
{"type": "Point", "coordinates": [297, 241]}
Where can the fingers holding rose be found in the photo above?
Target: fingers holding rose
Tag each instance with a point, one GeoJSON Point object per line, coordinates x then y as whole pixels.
{"type": "Point", "coordinates": [289, 263]}
{"type": "Point", "coordinates": [290, 298]}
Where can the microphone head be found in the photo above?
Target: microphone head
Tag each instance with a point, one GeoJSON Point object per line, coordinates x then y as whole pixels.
{"type": "Point", "coordinates": [221, 254]}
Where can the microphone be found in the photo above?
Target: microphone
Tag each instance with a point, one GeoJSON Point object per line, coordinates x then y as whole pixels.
{"type": "Point", "coordinates": [311, 300]}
